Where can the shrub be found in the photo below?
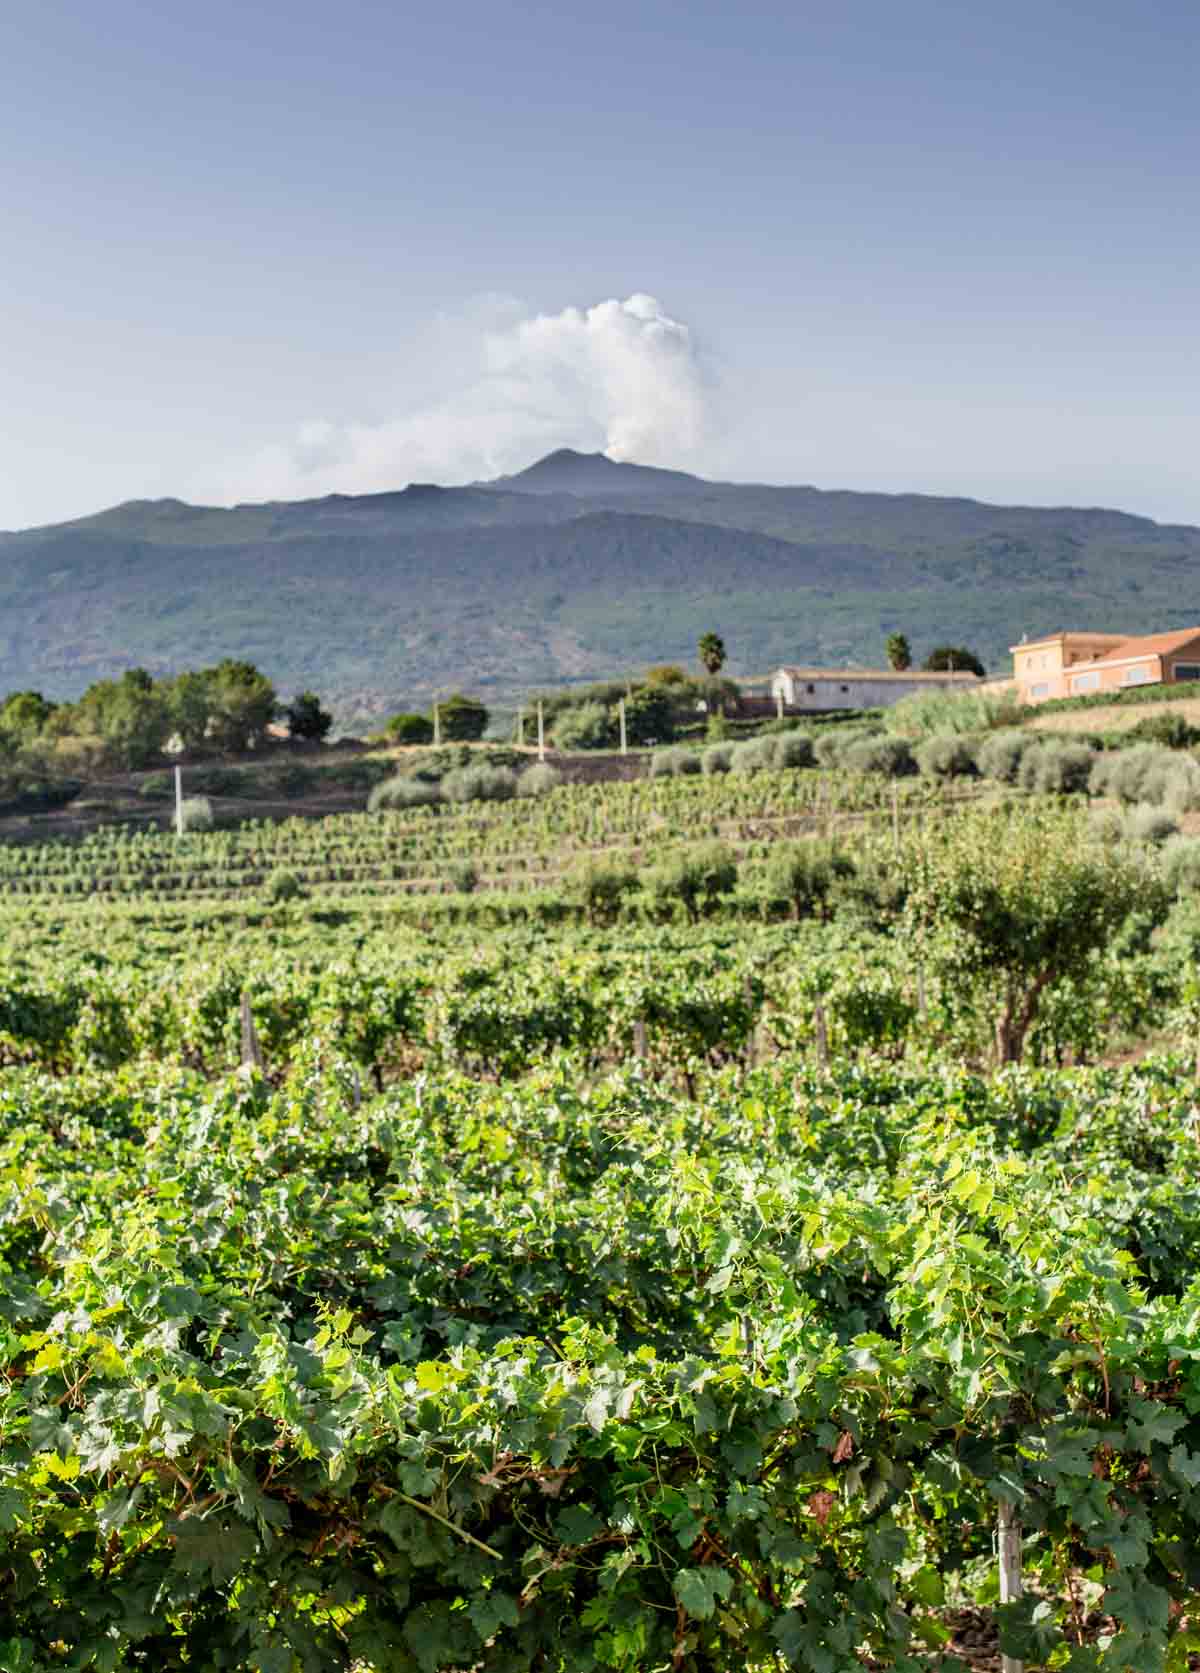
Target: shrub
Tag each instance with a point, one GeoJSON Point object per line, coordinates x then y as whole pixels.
{"type": "Point", "coordinates": [716, 728]}
{"type": "Point", "coordinates": [306, 718]}
{"type": "Point", "coordinates": [1169, 731]}
{"type": "Point", "coordinates": [1056, 769]}
{"type": "Point", "coordinates": [999, 755]}
{"type": "Point", "coordinates": [674, 763]}
{"type": "Point", "coordinates": [464, 878]}
{"type": "Point", "coordinates": [587, 726]}
{"type": "Point", "coordinates": [196, 813]}
{"type": "Point", "coordinates": [410, 729]}
{"type": "Point", "coordinates": [157, 785]}
{"type": "Point", "coordinates": [283, 885]}
{"type": "Point", "coordinates": [538, 780]}
{"type": "Point", "coordinates": [479, 784]}
{"type": "Point", "coordinates": [890, 756]}
{"type": "Point", "coordinates": [928, 712]}
{"type": "Point", "coordinates": [1150, 824]}
{"type": "Point", "coordinates": [600, 887]}
{"type": "Point", "coordinates": [753, 755]}
{"type": "Point", "coordinates": [403, 792]}
{"type": "Point", "coordinates": [949, 755]}
{"type": "Point", "coordinates": [695, 879]}
{"type": "Point", "coordinates": [462, 719]}
{"type": "Point", "coordinates": [718, 759]}
{"type": "Point", "coordinates": [1181, 864]}
{"type": "Point", "coordinates": [794, 749]}
{"type": "Point", "coordinates": [1161, 777]}
{"type": "Point", "coordinates": [802, 874]}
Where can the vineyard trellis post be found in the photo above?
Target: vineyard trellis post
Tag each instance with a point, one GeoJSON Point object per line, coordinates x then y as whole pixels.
{"type": "Point", "coordinates": [821, 1035]}
{"type": "Point", "coordinates": [896, 817]}
{"type": "Point", "coordinates": [779, 703]}
{"type": "Point", "coordinates": [520, 732]}
{"type": "Point", "coordinates": [252, 1057]}
{"type": "Point", "coordinates": [178, 801]}
{"type": "Point", "coordinates": [621, 717]}
{"type": "Point", "coordinates": [1008, 1531]}
{"type": "Point", "coordinates": [541, 732]}
{"type": "Point", "coordinates": [437, 727]}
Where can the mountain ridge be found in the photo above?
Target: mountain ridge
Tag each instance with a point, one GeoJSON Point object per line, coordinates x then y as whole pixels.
{"type": "Point", "coordinates": [578, 567]}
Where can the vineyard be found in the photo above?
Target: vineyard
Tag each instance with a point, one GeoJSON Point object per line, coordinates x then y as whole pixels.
{"type": "Point", "coordinates": [704, 1282]}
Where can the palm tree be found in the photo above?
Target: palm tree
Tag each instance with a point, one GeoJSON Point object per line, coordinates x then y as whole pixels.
{"type": "Point", "coordinates": [712, 652]}
{"type": "Point", "coordinates": [899, 652]}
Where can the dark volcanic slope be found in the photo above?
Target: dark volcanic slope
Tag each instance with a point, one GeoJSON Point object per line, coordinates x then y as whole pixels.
{"type": "Point", "coordinates": [576, 568]}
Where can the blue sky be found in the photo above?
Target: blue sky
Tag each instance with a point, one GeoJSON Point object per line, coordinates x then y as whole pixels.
{"type": "Point", "coordinates": [265, 249]}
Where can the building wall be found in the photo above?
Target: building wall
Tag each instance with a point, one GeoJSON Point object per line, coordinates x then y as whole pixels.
{"type": "Point", "coordinates": [821, 693]}
{"type": "Point", "coordinates": [1041, 670]}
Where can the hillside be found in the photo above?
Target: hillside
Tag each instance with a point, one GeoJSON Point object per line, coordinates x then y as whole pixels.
{"type": "Point", "coordinates": [574, 568]}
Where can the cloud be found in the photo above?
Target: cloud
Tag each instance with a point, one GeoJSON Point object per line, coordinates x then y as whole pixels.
{"type": "Point", "coordinates": [623, 378]}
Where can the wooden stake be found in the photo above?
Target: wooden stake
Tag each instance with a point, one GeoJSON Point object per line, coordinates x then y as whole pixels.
{"type": "Point", "coordinates": [821, 1034]}
{"type": "Point", "coordinates": [639, 1039]}
{"type": "Point", "coordinates": [1011, 1586]}
{"type": "Point", "coordinates": [252, 1057]}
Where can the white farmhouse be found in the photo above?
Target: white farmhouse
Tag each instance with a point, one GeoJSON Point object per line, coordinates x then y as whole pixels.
{"type": "Point", "coordinates": [820, 689]}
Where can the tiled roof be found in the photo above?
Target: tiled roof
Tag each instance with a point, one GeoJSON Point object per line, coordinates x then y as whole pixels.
{"type": "Point", "coordinates": [1154, 644]}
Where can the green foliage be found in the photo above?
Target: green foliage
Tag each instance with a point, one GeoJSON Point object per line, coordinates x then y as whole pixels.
{"type": "Point", "coordinates": [538, 780]}
{"type": "Point", "coordinates": [890, 756]}
{"type": "Point", "coordinates": [718, 759]}
{"type": "Point", "coordinates": [410, 729]}
{"type": "Point", "coordinates": [693, 878]}
{"type": "Point", "coordinates": [283, 885]}
{"type": "Point", "coordinates": [951, 756]}
{"type": "Point", "coordinates": [1021, 902]}
{"type": "Point", "coordinates": [674, 763]}
{"type": "Point", "coordinates": [932, 713]}
{"type": "Point", "coordinates": [242, 704]}
{"type": "Point", "coordinates": [953, 659]}
{"type": "Point", "coordinates": [602, 888]}
{"type": "Point", "coordinates": [804, 874]}
{"type": "Point", "coordinates": [479, 784]}
{"type": "Point", "coordinates": [1000, 754]}
{"type": "Point", "coordinates": [462, 719]}
{"type": "Point", "coordinates": [1169, 731]}
{"type": "Point", "coordinates": [898, 651]}
{"type": "Point", "coordinates": [1054, 768]}
{"type": "Point", "coordinates": [711, 651]}
{"type": "Point", "coordinates": [403, 791]}
{"type": "Point", "coordinates": [587, 726]}
{"type": "Point", "coordinates": [464, 877]}
{"type": "Point", "coordinates": [196, 814]}
{"type": "Point", "coordinates": [306, 718]}
{"type": "Point", "coordinates": [650, 716]}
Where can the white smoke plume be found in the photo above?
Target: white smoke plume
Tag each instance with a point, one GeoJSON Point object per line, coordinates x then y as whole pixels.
{"type": "Point", "coordinates": [622, 378]}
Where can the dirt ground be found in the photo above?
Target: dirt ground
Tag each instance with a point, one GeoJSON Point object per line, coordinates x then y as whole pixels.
{"type": "Point", "coordinates": [1115, 717]}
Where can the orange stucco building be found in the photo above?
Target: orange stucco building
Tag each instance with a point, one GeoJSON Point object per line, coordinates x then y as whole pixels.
{"type": "Point", "coordinates": [1080, 664]}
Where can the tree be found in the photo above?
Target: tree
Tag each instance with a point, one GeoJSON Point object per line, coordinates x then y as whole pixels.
{"type": "Point", "coordinates": [189, 702]}
{"type": "Point", "coordinates": [649, 716]}
{"type": "Point", "coordinates": [899, 652]}
{"type": "Point", "coordinates": [243, 705]}
{"type": "Point", "coordinates": [711, 650]}
{"type": "Point", "coordinates": [306, 718]}
{"type": "Point", "coordinates": [953, 659]}
{"type": "Point", "coordinates": [462, 719]}
{"type": "Point", "coordinates": [130, 716]}
{"type": "Point", "coordinates": [410, 729]}
{"type": "Point", "coordinates": [1014, 904]}
{"type": "Point", "coordinates": [665, 673]}
{"type": "Point", "coordinates": [23, 715]}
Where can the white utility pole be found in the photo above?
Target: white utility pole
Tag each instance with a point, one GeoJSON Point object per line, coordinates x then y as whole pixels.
{"type": "Point", "coordinates": [541, 732]}
{"type": "Point", "coordinates": [624, 738]}
{"type": "Point", "coordinates": [779, 703]}
{"type": "Point", "coordinates": [179, 801]}
{"type": "Point", "coordinates": [437, 726]}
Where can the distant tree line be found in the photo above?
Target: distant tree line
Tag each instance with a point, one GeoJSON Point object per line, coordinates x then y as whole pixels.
{"type": "Point", "coordinates": [128, 723]}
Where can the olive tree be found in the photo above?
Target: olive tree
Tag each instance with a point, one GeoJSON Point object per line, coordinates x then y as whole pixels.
{"type": "Point", "coordinates": [1017, 901]}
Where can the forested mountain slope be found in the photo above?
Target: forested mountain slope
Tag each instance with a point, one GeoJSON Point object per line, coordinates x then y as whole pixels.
{"type": "Point", "coordinates": [575, 568]}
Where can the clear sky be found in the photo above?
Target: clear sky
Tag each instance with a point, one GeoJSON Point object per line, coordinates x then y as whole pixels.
{"type": "Point", "coordinates": [257, 248]}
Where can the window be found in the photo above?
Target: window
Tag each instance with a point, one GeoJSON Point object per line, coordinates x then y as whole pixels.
{"type": "Point", "coordinates": [1187, 670]}
{"type": "Point", "coordinates": [1085, 682]}
{"type": "Point", "coordinates": [845, 688]}
{"type": "Point", "coordinates": [1042, 690]}
{"type": "Point", "coordinates": [810, 688]}
{"type": "Point", "coordinates": [1139, 676]}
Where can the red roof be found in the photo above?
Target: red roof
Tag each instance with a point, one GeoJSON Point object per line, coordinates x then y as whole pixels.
{"type": "Point", "coordinates": [1154, 644]}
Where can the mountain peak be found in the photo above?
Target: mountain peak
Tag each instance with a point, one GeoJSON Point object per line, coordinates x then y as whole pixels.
{"type": "Point", "coordinates": [567, 471]}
